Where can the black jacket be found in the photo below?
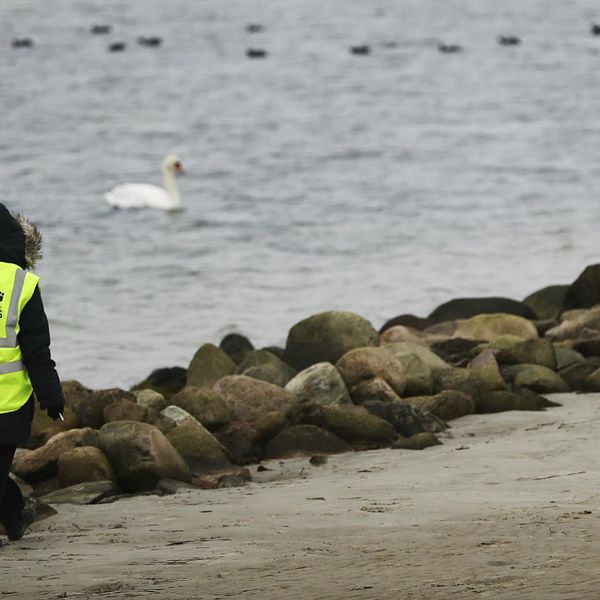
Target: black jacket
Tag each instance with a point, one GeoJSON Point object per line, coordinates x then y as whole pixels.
{"type": "Point", "coordinates": [34, 341]}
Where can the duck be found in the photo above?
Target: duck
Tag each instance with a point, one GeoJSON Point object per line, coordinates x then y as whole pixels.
{"type": "Point", "coordinates": [146, 195]}
{"type": "Point", "coordinates": [360, 50]}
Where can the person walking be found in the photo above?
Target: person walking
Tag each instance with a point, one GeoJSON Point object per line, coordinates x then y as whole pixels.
{"type": "Point", "coordinates": [27, 370]}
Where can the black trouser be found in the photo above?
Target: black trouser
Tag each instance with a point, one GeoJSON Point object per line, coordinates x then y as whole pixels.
{"type": "Point", "coordinates": [11, 499]}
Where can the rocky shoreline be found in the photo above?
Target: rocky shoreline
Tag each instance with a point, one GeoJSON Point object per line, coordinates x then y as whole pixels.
{"type": "Point", "coordinates": [338, 386]}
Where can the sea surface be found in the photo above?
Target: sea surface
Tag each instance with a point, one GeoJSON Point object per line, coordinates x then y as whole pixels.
{"type": "Point", "coordinates": [316, 179]}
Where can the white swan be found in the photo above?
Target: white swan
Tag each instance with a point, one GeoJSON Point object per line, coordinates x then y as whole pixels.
{"type": "Point", "coordinates": [146, 195]}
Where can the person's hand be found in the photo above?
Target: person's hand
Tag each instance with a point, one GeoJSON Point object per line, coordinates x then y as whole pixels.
{"type": "Point", "coordinates": [54, 412]}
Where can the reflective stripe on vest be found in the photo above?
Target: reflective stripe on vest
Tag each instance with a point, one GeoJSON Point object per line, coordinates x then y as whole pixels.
{"type": "Point", "coordinates": [16, 288]}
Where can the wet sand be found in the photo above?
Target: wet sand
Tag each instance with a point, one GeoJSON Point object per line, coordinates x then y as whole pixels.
{"type": "Point", "coordinates": [508, 507]}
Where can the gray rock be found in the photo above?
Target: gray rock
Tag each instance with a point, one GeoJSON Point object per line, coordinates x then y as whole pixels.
{"type": "Point", "coordinates": [204, 405]}
{"type": "Point", "coordinates": [319, 384]}
{"type": "Point", "coordinates": [425, 355]}
{"type": "Point", "coordinates": [150, 399]}
{"type": "Point", "coordinates": [265, 366]}
{"type": "Point", "coordinates": [140, 455]}
{"type": "Point", "coordinates": [536, 378]}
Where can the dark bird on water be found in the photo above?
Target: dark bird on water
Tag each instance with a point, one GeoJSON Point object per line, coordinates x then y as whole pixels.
{"type": "Point", "coordinates": [595, 29]}
{"type": "Point", "coordinates": [22, 43]}
{"type": "Point", "coordinates": [254, 28]}
{"type": "Point", "coordinates": [117, 47]}
{"type": "Point", "coordinates": [150, 41]}
{"type": "Point", "coordinates": [360, 50]}
{"type": "Point", "coordinates": [509, 40]}
{"type": "Point", "coordinates": [256, 53]}
{"type": "Point", "coordinates": [449, 48]}
{"type": "Point", "coordinates": [100, 29]}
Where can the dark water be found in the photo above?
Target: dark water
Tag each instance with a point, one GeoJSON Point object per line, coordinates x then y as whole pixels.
{"type": "Point", "coordinates": [379, 184]}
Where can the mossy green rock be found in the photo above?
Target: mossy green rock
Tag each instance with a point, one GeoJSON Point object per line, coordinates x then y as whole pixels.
{"type": "Point", "coordinates": [566, 357]}
{"type": "Point", "coordinates": [204, 405]}
{"type": "Point", "coordinates": [447, 405]}
{"type": "Point", "coordinates": [575, 375]}
{"type": "Point", "coordinates": [373, 389]}
{"type": "Point", "coordinates": [200, 449]}
{"type": "Point", "coordinates": [270, 425]}
{"type": "Point", "coordinates": [485, 372]}
{"type": "Point", "coordinates": [494, 402]}
{"type": "Point", "coordinates": [266, 366]}
{"type": "Point", "coordinates": [431, 360]}
{"type": "Point", "coordinates": [536, 378]}
{"type": "Point", "coordinates": [537, 352]}
{"type": "Point", "coordinates": [353, 424]}
{"type": "Point", "coordinates": [150, 399]}
{"type": "Point", "coordinates": [419, 441]}
{"type": "Point", "coordinates": [547, 303]}
{"type": "Point", "coordinates": [491, 326]}
{"type": "Point", "coordinates": [305, 440]}
{"type": "Point", "coordinates": [326, 337]}
{"type": "Point", "coordinates": [208, 365]}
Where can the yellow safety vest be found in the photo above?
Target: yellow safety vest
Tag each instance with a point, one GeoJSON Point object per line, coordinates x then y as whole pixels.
{"type": "Point", "coordinates": [16, 288]}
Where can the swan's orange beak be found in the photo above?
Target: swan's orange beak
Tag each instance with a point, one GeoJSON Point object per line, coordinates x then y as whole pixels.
{"type": "Point", "coordinates": [179, 168]}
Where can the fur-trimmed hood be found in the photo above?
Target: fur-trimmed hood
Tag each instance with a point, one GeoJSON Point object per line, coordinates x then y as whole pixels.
{"type": "Point", "coordinates": [20, 240]}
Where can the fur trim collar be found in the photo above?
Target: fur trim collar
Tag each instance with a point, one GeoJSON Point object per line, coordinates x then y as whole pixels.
{"type": "Point", "coordinates": [33, 240]}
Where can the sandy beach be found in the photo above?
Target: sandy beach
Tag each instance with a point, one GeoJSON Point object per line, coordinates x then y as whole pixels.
{"type": "Point", "coordinates": [506, 508]}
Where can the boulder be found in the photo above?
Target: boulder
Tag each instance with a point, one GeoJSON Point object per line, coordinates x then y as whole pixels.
{"type": "Point", "coordinates": [199, 448]}
{"type": "Point", "coordinates": [319, 384]}
{"type": "Point", "coordinates": [140, 455]}
{"type": "Point", "coordinates": [465, 308]}
{"type": "Point", "coordinates": [588, 344]}
{"type": "Point", "coordinates": [176, 415]}
{"type": "Point", "coordinates": [406, 419]}
{"type": "Point", "coordinates": [574, 324]}
{"type": "Point", "coordinates": [83, 464]}
{"type": "Point", "coordinates": [584, 292]}
{"type": "Point", "coordinates": [304, 440]}
{"type": "Point", "coordinates": [90, 492]}
{"type": "Point", "coordinates": [127, 410]}
{"type": "Point", "coordinates": [204, 405]}
{"type": "Point", "coordinates": [326, 337]}
{"type": "Point", "coordinates": [400, 333]}
{"type": "Point", "coordinates": [490, 326]}
{"type": "Point", "coordinates": [353, 424]}
{"type": "Point", "coordinates": [418, 441]}
{"type": "Point", "coordinates": [363, 364]}
{"type": "Point", "coordinates": [150, 399]}
{"type": "Point", "coordinates": [536, 352]}
{"type": "Point", "coordinates": [547, 303]}
{"type": "Point", "coordinates": [418, 323]}
{"type": "Point", "coordinates": [236, 346]}
{"type": "Point", "coordinates": [249, 399]}
{"type": "Point", "coordinates": [242, 441]}
{"type": "Point", "coordinates": [576, 374]}
{"type": "Point", "coordinates": [91, 412]}
{"type": "Point", "coordinates": [501, 401]}
{"type": "Point", "coordinates": [208, 365]}
{"type": "Point", "coordinates": [536, 378]}
{"type": "Point", "coordinates": [484, 368]}
{"type": "Point", "coordinates": [166, 381]}
{"type": "Point", "coordinates": [43, 427]}
{"type": "Point", "coordinates": [456, 351]}
{"type": "Point", "coordinates": [472, 382]}
{"type": "Point", "coordinates": [592, 382]}
{"type": "Point", "coordinates": [270, 425]}
{"type": "Point", "coordinates": [425, 355]}
{"type": "Point", "coordinates": [566, 357]}
{"type": "Point", "coordinates": [75, 394]}
{"type": "Point", "coordinates": [447, 405]}
{"type": "Point", "coordinates": [419, 378]}
{"type": "Point", "coordinates": [265, 366]}
{"type": "Point", "coordinates": [42, 462]}
{"type": "Point", "coordinates": [373, 389]}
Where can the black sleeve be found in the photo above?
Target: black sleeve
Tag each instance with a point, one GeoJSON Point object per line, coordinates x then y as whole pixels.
{"type": "Point", "coordinates": [34, 341]}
